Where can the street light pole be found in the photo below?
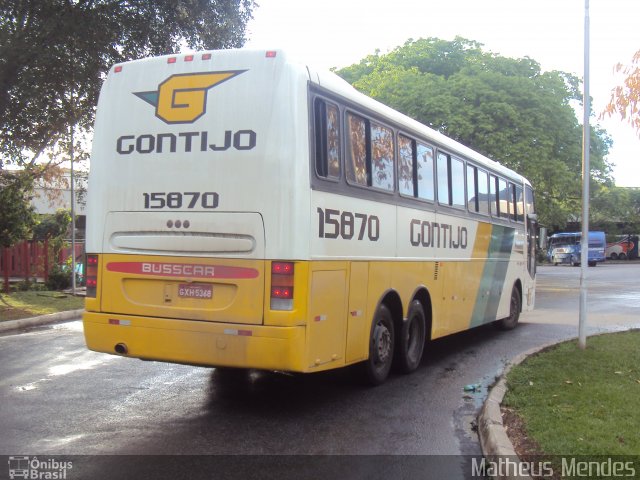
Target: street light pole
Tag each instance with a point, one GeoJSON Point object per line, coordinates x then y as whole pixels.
{"type": "Point", "coordinates": [73, 219]}
{"type": "Point", "coordinates": [586, 176]}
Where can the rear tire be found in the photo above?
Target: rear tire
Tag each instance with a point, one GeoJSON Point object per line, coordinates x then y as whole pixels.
{"type": "Point", "coordinates": [511, 321]}
{"type": "Point", "coordinates": [381, 347]}
{"type": "Point", "coordinates": [412, 339]}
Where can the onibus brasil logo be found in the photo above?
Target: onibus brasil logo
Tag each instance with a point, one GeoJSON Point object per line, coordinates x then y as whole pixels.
{"type": "Point", "coordinates": [22, 466]}
{"type": "Point", "coordinates": [182, 98]}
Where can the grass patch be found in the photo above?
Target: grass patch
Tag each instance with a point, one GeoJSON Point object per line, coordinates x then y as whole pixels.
{"type": "Point", "coordinates": [30, 304]}
{"type": "Point", "coordinates": [581, 402]}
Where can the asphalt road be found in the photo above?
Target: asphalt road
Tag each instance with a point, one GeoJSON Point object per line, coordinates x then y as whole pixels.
{"type": "Point", "coordinates": [57, 398]}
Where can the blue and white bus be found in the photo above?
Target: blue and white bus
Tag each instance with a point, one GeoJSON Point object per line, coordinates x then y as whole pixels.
{"type": "Point", "coordinates": [566, 248]}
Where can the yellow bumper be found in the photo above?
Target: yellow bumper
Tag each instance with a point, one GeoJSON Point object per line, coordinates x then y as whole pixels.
{"type": "Point", "coordinates": [197, 342]}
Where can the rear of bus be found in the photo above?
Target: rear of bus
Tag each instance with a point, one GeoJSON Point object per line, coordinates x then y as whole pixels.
{"type": "Point", "coordinates": [194, 163]}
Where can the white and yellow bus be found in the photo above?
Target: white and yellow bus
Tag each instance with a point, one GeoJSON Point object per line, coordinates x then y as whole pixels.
{"type": "Point", "coordinates": [245, 211]}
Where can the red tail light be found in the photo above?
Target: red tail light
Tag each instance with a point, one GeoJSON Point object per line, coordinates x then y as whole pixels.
{"type": "Point", "coordinates": [92, 275]}
{"type": "Point", "coordinates": [282, 285]}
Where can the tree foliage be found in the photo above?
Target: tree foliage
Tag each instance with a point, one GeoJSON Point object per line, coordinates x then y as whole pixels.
{"type": "Point", "coordinates": [505, 108]}
{"type": "Point", "coordinates": [54, 55]}
{"type": "Point", "coordinates": [625, 98]}
{"type": "Point", "coordinates": [16, 214]}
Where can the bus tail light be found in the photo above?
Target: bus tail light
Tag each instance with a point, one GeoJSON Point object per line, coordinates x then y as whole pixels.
{"type": "Point", "coordinates": [92, 275]}
{"type": "Point", "coordinates": [282, 285]}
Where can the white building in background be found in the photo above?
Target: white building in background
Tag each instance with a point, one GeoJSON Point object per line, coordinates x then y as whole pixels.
{"type": "Point", "coordinates": [52, 196]}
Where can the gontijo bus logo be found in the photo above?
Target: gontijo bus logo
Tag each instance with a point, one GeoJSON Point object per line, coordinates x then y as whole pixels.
{"type": "Point", "coordinates": [182, 98]}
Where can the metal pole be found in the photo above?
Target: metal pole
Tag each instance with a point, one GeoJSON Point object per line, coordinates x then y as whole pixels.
{"type": "Point", "coordinates": [586, 176]}
{"type": "Point", "coordinates": [73, 221]}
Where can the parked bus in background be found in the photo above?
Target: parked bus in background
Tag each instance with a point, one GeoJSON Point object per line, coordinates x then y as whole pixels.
{"type": "Point", "coordinates": [245, 212]}
{"type": "Point", "coordinates": [564, 248]}
{"type": "Point", "coordinates": [624, 247]}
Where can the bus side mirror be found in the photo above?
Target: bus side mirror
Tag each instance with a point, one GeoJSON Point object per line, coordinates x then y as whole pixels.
{"type": "Point", "coordinates": [542, 238]}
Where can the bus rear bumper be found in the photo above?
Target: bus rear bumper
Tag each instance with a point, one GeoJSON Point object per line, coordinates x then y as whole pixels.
{"type": "Point", "coordinates": [196, 342]}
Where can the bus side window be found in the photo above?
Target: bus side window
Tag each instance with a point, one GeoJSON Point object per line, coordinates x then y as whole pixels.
{"type": "Point", "coordinates": [503, 196]}
{"type": "Point", "coordinates": [406, 180]}
{"type": "Point", "coordinates": [327, 132]}
{"type": "Point", "coordinates": [457, 183]}
{"type": "Point", "coordinates": [530, 205]}
{"type": "Point", "coordinates": [519, 204]}
{"type": "Point", "coordinates": [483, 192]}
{"type": "Point", "coordinates": [493, 195]}
{"type": "Point", "coordinates": [512, 202]}
{"type": "Point", "coordinates": [382, 157]}
{"type": "Point", "coordinates": [357, 149]}
{"type": "Point", "coordinates": [472, 188]}
{"type": "Point", "coordinates": [425, 172]}
{"type": "Point", "coordinates": [444, 197]}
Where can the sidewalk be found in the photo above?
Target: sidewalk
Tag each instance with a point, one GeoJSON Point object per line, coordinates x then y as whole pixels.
{"type": "Point", "coordinates": [10, 325]}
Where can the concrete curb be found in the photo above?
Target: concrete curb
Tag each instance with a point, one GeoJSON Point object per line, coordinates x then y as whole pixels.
{"type": "Point", "coordinates": [41, 320]}
{"type": "Point", "coordinates": [494, 441]}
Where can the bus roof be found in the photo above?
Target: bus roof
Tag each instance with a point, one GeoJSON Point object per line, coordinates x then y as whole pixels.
{"type": "Point", "coordinates": [341, 87]}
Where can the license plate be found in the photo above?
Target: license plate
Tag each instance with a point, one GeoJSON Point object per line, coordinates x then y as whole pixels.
{"type": "Point", "coordinates": [191, 290]}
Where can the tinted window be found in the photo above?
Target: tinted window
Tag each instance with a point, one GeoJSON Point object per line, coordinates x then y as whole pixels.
{"type": "Point", "coordinates": [493, 194]}
{"type": "Point", "coordinates": [382, 154]}
{"type": "Point", "coordinates": [406, 148]}
{"type": "Point", "coordinates": [503, 197]}
{"type": "Point", "coordinates": [483, 192]}
{"type": "Point", "coordinates": [457, 183]}
{"type": "Point", "coordinates": [425, 172]}
{"type": "Point", "coordinates": [357, 149]}
{"type": "Point", "coordinates": [443, 179]}
{"type": "Point", "coordinates": [529, 200]}
{"type": "Point", "coordinates": [512, 201]}
{"type": "Point", "coordinates": [327, 133]}
{"type": "Point", "coordinates": [519, 204]}
{"type": "Point", "coordinates": [472, 194]}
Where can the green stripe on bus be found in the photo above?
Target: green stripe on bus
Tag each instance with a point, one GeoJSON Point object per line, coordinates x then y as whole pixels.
{"type": "Point", "coordinates": [493, 275]}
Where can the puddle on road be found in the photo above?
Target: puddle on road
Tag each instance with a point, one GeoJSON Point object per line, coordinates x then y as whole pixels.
{"type": "Point", "coordinates": [66, 367]}
{"type": "Point", "coordinates": [630, 299]}
{"type": "Point", "coordinates": [75, 326]}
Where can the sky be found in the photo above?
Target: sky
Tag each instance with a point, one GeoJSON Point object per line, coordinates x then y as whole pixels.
{"type": "Point", "coordinates": [339, 33]}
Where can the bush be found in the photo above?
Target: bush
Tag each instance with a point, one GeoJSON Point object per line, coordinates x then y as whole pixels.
{"type": "Point", "coordinates": [59, 279]}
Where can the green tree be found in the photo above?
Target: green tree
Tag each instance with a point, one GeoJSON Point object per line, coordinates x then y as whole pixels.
{"type": "Point", "coordinates": [55, 228]}
{"type": "Point", "coordinates": [54, 55]}
{"type": "Point", "coordinates": [16, 214]}
{"type": "Point", "coordinates": [505, 108]}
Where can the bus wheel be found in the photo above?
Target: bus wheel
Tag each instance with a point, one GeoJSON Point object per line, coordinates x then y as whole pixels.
{"type": "Point", "coordinates": [511, 321]}
{"type": "Point", "coordinates": [412, 339]}
{"type": "Point", "coordinates": [381, 344]}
